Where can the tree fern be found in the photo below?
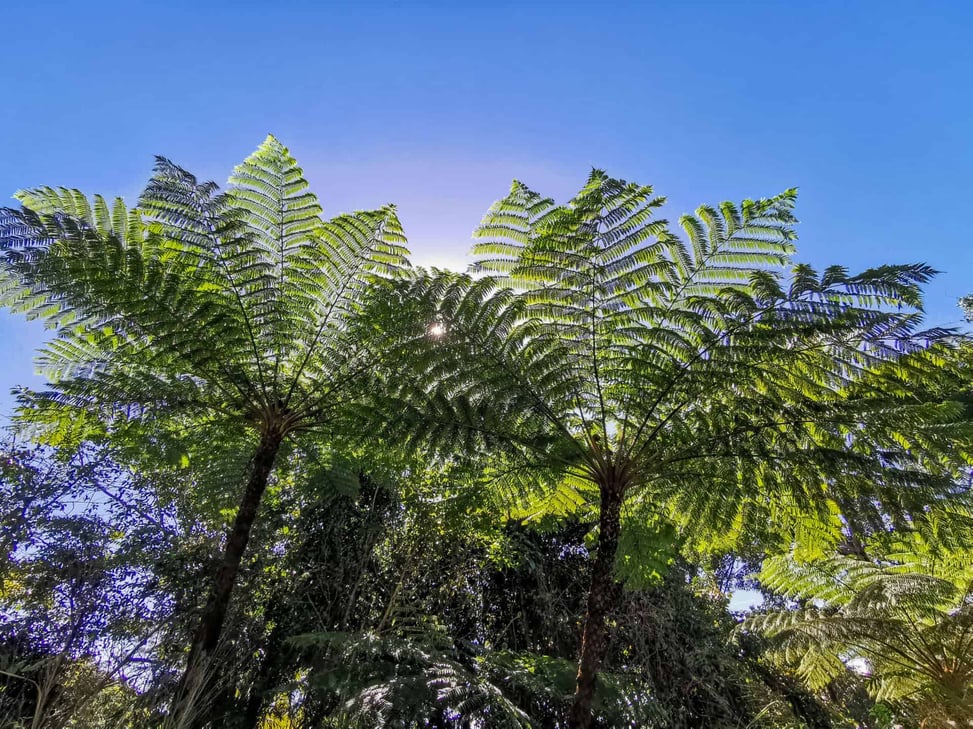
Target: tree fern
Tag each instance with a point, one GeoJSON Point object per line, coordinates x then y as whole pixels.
{"type": "Point", "coordinates": [908, 613]}
{"type": "Point", "coordinates": [202, 308]}
{"type": "Point", "coordinates": [705, 377]}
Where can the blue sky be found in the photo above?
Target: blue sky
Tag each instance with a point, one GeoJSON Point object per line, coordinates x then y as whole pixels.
{"type": "Point", "coordinates": [865, 106]}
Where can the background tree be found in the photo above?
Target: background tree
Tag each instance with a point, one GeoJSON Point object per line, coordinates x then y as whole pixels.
{"type": "Point", "coordinates": [213, 312]}
{"type": "Point", "coordinates": [403, 596]}
{"type": "Point", "coordinates": [966, 304]}
{"type": "Point", "coordinates": [82, 610]}
{"type": "Point", "coordinates": [707, 380]}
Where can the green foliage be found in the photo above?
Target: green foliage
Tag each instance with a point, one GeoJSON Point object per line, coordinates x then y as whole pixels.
{"type": "Point", "coordinates": [227, 306]}
{"type": "Point", "coordinates": [83, 585]}
{"type": "Point", "coordinates": [906, 613]}
{"type": "Point", "coordinates": [646, 550]}
{"type": "Point", "coordinates": [710, 381]}
{"type": "Point", "coordinates": [966, 304]}
{"type": "Point", "coordinates": [455, 460]}
{"type": "Point", "coordinates": [196, 319]}
{"type": "Point", "coordinates": [738, 393]}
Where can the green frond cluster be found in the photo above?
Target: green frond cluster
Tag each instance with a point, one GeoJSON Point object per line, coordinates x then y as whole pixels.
{"type": "Point", "coordinates": [705, 372]}
{"type": "Point", "coordinates": [908, 614]}
{"type": "Point", "coordinates": [402, 677]}
{"type": "Point", "coordinates": [197, 299]}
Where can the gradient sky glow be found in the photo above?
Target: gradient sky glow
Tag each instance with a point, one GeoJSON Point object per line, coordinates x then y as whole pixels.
{"type": "Point", "coordinates": [866, 106]}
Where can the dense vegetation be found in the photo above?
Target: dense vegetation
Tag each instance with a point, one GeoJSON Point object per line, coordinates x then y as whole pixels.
{"type": "Point", "coordinates": [279, 478]}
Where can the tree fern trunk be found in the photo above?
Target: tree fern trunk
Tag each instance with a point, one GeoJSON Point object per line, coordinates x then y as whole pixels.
{"type": "Point", "coordinates": [207, 635]}
{"type": "Point", "coordinates": [602, 596]}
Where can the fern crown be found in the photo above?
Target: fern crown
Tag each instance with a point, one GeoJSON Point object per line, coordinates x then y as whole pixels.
{"type": "Point", "coordinates": [236, 302]}
{"type": "Point", "coordinates": [705, 369]}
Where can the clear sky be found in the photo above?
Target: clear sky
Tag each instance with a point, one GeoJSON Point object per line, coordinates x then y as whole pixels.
{"type": "Point", "coordinates": [866, 106]}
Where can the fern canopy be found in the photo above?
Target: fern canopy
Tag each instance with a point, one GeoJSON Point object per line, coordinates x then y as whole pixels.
{"type": "Point", "coordinates": [674, 386]}
{"type": "Point", "coordinates": [704, 372]}
{"type": "Point", "coordinates": [231, 303]}
{"type": "Point", "coordinates": [906, 612]}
